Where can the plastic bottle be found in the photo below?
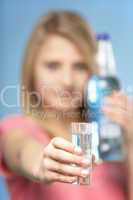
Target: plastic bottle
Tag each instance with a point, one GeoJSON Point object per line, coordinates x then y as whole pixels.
{"type": "Point", "coordinates": [107, 137]}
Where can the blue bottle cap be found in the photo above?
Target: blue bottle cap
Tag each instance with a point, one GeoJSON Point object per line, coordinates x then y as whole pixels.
{"type": "Point", "coordinates": [102, 36]}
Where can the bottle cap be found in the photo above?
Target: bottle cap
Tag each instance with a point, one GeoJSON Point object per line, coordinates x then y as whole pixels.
{"type": "Point", "coordinates": [103, 36]}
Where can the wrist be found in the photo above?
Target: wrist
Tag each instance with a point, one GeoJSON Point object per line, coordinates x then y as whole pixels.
{"type": "Point", "coordinates": [129, 135]}
{"type": "Point", "coordinates": [30, 158]}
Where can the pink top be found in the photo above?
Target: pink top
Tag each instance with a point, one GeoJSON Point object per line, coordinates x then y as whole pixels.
{"type": "Point", "coordinates": [108, 179]}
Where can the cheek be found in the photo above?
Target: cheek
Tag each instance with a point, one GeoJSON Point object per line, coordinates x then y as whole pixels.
{"type": "Point", "coordinates": [42, 78]}
{"type": "Point", "coordinates": [82, 80]}
{"type": "Point", "coordinates": [45, 84]}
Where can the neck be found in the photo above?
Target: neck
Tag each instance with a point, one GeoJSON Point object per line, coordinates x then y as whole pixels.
{"type": "Point", "coordinates": [58, 123]}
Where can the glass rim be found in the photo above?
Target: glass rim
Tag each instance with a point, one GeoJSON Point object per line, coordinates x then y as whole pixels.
{"type": "Point", "coordinates": [81, 128]}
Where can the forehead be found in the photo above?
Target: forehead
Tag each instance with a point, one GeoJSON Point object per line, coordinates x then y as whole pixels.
{"type": "Point", "coordinates": [58, 46]}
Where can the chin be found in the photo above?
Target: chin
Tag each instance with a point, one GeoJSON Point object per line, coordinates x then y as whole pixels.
{"type": "Point", "coordinates": [67, 109]}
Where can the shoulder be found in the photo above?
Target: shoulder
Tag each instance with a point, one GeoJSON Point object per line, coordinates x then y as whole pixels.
{"type": "Point", "coordinates": [25, 123]}
{"type": "Point", "coordinates": [14, 121]}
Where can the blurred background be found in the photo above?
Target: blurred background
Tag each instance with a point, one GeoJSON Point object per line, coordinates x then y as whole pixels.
{"type": "Point", "coordinates": [17, 19]}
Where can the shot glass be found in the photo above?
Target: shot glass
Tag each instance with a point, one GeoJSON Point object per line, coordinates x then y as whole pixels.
{"type": "Point", "coordinates": [82, 137]}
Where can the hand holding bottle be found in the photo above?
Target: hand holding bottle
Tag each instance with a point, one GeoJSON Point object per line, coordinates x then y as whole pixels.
{"type": "Point", "coordinates": [119, 108]}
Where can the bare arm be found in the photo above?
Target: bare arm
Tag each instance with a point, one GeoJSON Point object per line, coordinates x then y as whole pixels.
{"type": "Point", "coordinates": [130, 170]}
{"type": "Point", "coordinates": [21, 152]}
{"type": "Point", "coordinates": [120, 110]}
{"type": "Point", "coordinates": [27, 157]}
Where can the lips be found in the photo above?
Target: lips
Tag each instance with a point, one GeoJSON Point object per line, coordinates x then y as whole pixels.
{"type": "Point", "coordinates": [66, 95]}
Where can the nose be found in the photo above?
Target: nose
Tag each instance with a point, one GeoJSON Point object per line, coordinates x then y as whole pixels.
{"type": "Point", "coordinates": [67, 78]}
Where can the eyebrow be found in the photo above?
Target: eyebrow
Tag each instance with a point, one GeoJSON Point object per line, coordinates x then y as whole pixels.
{"type": "Point", "coordinates": [80, 62]}
{"type": "Point", "coordinates": [57, 60]}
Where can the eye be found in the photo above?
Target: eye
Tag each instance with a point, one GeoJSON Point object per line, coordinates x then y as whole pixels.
{"type": "Point", "coordinates": [52, 65]}
{"type": "Point", "coordinates": [80, 66]}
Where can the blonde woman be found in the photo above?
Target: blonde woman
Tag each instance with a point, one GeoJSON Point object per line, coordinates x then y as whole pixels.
{"type": "Point", "coordinates": [36, 148]}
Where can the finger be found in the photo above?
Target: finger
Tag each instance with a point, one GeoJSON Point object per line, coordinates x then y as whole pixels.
{"type": "Point", "coordinates": [90, 160]}
{"type": "Point", "coordinates": [66, 145]}
{"type": "Point", "coordinates": [64, 169]}
{"type": "Point", "coordinates": [114, 102]}
{"type": "Point", "coordinates": [57, 177]}
{"type": "Point", "coordinates": [63, 156]}
{"type": "Point", "coordinates": [117, 115]}
{"type": "Point", "coordinates": [120, 101]}
{"type": "Point", "coordinates": [124, 119]}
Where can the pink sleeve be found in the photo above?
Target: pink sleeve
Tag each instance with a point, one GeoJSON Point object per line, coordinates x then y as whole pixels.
{"type": "Point", "coordinates": [29, 127]}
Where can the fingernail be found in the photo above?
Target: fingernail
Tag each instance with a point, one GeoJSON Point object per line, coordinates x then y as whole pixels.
{"type": "Point", "coordinates": [78, 150]}
{"type": "Point", "coordinates": [86, 161]}
{"type": "Point", "coordinates": [85, 172]}
{"type": "Point", "coordinates": [73, 179]}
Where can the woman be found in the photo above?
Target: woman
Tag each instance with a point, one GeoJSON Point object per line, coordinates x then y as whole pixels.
{"type": "Point", "coordinates": [36, 148]}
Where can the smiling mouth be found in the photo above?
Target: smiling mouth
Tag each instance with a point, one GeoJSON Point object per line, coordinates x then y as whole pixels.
{"type": "Point", "coordinates": [68, 93]}
{"type": "Point", "coordinates": [67, 96]}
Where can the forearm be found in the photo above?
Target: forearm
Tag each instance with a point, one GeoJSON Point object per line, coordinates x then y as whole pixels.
{"type": "Point", "coordinates": [30, 158]}
{"type": "Point", "coordinates": [21, 153]}
{"type": "Point", "coordinates": [130, 171]}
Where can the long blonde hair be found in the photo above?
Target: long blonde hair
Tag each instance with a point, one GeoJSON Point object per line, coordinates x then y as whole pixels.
{"type": "Point", "coordinates": [67, 24]}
